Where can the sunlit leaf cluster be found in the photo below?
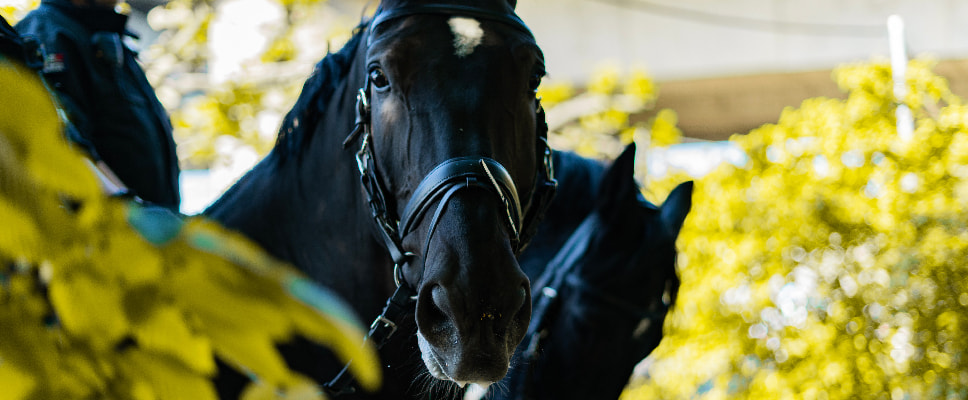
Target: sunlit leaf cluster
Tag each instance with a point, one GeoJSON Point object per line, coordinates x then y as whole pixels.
{"type": "Point", "coordinates": [609, 111]}
{"type": "Point", "coordinates": [15, 10]}
{"type": "Point", "coordinates": [599, 119]}
{"type": "Point", "coordinates": [214, 120]}
{"type": "Point", "coordinates": [215, 117]}
{"type": "Point", "coordinates": [226, 120]}
{"type": "Point", "coordinates": [833, 264]}
{"type": "Point", "coordinates": [103, 298]}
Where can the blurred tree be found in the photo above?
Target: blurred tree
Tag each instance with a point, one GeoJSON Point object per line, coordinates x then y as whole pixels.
{"type": "Point", "coordinates": [831, 265]}
{"type": "Point", "coordinates": [104, 298]}
{"type": "Point", "coordinates": [595, 121]}
{"type": "Point", "coordinates": [229, 71]}
{"type": "Point", "coordinates": [610, 111]}
{"type": "Point", "coordinates": [14, 10]}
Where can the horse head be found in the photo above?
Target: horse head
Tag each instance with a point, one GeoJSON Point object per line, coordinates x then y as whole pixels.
{"type": "Point", "coordinates": [455, 166]}
{"type": "Point", "coordinates": [608, 291]}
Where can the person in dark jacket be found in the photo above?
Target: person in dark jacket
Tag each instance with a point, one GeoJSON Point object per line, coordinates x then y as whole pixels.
{"type": "Point", "coordinates": [15, 48]}
{"type": "Point", "coordinates": [105, 94]}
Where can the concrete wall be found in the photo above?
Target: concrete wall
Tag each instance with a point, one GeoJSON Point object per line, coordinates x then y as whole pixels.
{"type": "Point", "coordinates": [689, 39]}
{"type": "Point", "coordinates": [727, 66]}
{"type": "Point", "coordinates": [685, 39]}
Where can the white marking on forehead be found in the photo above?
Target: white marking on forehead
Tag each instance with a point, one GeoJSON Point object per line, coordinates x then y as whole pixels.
{"type": "Point", "coordinates": [467, 35]}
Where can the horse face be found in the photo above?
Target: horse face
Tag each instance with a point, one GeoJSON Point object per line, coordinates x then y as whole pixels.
{"type": "Point", "coordinates": [443, 87]}
{"type": "Point", "coordinates": [633, 250]}
{"type": "Point", "coordinates": [614, 302]}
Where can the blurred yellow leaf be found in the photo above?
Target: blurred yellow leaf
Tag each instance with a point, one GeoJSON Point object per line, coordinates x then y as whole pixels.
{"type": "Point", "coordinates": [24, 240]}
{"type": "Point", "coordinates": [253, 353]}
{"type": "Point", "coordinates": [47, 157]}
{"type": "Point", "coordinates": [209, 287]}
{"type": "Point", "coordinates": [605, 80]}
{"type": "Point", "coordinates": [165, 331]}
{"type": "Point", "coordinates": [259, 391]}
{"type": "Point", "coordinates": [90, 308]}
{"type": "Point", "coordinates": [16, 384]}
{"type": "Point", "coordinates": [664, 130]}
{"type": "Point", "coordinates": [104, 299]}
{"type": "Point", "coordinates": [168, 380]}
{"type": "Point", "coordinates": [124, 247]}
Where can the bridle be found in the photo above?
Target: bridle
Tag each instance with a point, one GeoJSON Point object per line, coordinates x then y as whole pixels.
{"type": "Point", "coordinates": [558, 275]}
{"type": "Point", "coordinates": [438, 187]}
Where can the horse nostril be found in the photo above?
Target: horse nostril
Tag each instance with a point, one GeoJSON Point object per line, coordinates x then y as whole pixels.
{"type": "Point", "coordinates": [439, 297]}
{"type": "Point", "coordinates": [436, 310]}
{"type": "Point", "coordinates": [518, 312]}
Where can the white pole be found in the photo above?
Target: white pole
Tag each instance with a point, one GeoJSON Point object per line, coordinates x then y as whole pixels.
{"type": "Point", "coordinates": [899, 60]}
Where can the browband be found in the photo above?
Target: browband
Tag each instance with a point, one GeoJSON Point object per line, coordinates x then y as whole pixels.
{"type": "Point", "coordinates": [447, 9]}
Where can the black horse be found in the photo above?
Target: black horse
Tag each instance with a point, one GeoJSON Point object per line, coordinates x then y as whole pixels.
{"type": "Point", "coordinates": [432, 107]}
{"type": "Point", "coordinates": [578, 186]}
{"type": "Point", "coordinates": [600, 303]}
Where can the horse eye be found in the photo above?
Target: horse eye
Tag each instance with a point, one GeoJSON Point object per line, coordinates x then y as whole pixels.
{"type": "Point", "coordinates": [378, 78]}
{"type": "Point", "coordinates": [534, 82]}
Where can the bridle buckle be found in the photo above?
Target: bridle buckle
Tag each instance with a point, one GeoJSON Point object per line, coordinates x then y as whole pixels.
{"type": "Point", "coordinates": [386, 324]}
{"type": "Point", "coordinates": [362, 156]}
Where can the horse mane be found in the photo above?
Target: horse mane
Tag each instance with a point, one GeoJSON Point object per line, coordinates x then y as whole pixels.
{"type": "Point", "coordinates": [302, 120]}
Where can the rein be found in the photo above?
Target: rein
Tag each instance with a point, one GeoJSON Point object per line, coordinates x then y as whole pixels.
{"type": "Point", "coordinates": [438, 186]}
{"type": "Point", "coordinates": [612, 302]}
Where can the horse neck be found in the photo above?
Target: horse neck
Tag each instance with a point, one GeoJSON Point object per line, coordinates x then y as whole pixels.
{"type": "Point", "coordinates": [307, 208]}
{"type": "Point", "coordinates": [564, 370]}
{"type": "Point", "coordinates": [607, 355]}
{"type": "Point", "coordinates": [578, 181]}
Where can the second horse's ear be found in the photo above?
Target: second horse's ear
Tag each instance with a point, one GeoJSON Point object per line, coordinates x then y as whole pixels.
{"type": "Point", "coordinates": [618, 185]}
{"type": "Point", "coordinates": [673, 212]}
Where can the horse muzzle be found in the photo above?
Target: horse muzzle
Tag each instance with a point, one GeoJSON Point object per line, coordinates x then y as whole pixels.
{"type": "Point", "coordinates": [470, 339]}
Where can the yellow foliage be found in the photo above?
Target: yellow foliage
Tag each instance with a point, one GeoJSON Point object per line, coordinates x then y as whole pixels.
{"type": "Point", "coordinates": [102, 298]}
{"type": "Point", "coordinates": [831, 265]}
{"type": "Point", "coordinates": [606, 80]}
{"type": "Point", "coordinates": [215, 116]}
{"type": "Point", "coordinates": [664, 131]}
{"type": "Point", "coordinates": [598, 123]}
{"type": "Point", "coordinates": [229, 110]}
{"type": "Point", "coordinates": [640, 85]}
{"type": "Point", "coordinates": [14, 11]}
{"type": "Point", "coordinates": [553, 92]}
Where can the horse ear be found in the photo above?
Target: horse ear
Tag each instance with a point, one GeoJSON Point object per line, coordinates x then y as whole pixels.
{"type": "Point", "coordinates": [513, 3]}
{"type": "Point", "coordinates": [673, 212]}
{"type": "Point", "coordinates": [618, 185]}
